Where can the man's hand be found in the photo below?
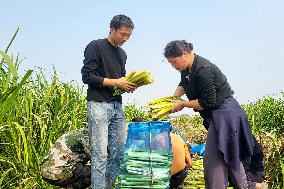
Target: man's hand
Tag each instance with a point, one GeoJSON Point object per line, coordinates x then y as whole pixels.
{"type": "Point", "coordinates": [125, 85]}
{"type": "Point", "coordinates": [188, 161]}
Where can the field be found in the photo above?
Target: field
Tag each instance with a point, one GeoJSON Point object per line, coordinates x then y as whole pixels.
{"type": "Point", "coordinates": [35, 112]}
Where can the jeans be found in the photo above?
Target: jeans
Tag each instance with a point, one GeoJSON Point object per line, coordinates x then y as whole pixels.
{"type": "Point", "coordinates": [107, 130]}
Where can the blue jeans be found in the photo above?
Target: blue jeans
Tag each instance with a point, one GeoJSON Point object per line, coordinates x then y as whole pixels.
{"type": "Point", "coordinates": [107, 130]}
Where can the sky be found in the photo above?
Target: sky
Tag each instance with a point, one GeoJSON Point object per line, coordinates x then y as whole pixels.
{"type": "Point", "coordinates": [243, 38]}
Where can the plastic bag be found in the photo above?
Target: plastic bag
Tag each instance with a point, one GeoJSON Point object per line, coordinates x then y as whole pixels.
{"type": "Point", "coordinates": [198, 149]}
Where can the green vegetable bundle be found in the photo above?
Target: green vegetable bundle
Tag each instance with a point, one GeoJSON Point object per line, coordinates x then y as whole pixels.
{"type": "Point", "coordinates": [139, 78]}
{"type": "Point", "coordinates": [195, 177]}
{"type": "Point", "coordinates": [160, 108]}
{"type": "Point", "coordinates": [144, 169]}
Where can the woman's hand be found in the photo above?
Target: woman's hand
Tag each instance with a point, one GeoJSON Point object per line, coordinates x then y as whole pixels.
{"type": "Point", "coordinates": [178, 105]}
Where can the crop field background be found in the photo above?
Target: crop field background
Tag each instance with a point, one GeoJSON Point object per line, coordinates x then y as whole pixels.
{"type": "Point", "coordinates": [35, 112]}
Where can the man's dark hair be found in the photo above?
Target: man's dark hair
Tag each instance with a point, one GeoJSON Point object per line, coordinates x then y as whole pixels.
{"type": "Point", "coordinates": [121, 20]}
{"type": "Point", "coordinates": [171, 128]}
{"type": "Point", "coordinates": [137, 119]}
{"type": "Point", "coordinates": [176, 48]}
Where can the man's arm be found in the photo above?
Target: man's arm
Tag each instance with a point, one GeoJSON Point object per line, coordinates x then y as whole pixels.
{"type": "Point", "coordinates": [90, 67]}
{"type": "Point", "coordinates": [188, 160]}
{"type": "Point", "coordinates": [121, 83]}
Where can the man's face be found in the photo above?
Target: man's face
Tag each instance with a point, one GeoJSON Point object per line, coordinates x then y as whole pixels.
{"type": "Point", "coordinates": [121, 35]}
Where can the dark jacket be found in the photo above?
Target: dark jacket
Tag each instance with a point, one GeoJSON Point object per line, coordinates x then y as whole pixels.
{"type": "Point", "coordinates": [102, 60]}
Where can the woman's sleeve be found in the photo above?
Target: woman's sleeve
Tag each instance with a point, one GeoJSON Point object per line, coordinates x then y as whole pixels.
{"type": "Point", "coordinates": [206, 87]}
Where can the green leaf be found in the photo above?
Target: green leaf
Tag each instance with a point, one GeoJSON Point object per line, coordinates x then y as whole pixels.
{"type": "Point", "coordinates": [4, 175]}
{"type": "Point", "coordinates": [7, 104]}
{"type": "Point", "coordinates": [23, 135]}
{"type": "Point", "coordinates": [10, 64]}
{"type": "Point", "coordinates": [282, 169]}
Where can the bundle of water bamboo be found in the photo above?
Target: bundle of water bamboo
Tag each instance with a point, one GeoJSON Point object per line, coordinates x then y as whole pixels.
{"type": "Point", "coordinates": [139, 78]}
{"type": "Point", "coordinates": [160, 108]}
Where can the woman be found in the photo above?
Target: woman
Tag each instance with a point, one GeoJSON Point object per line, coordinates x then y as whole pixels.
{"type": "Point", "coordinates": [229, 138]}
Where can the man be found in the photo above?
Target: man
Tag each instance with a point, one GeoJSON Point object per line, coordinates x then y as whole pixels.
{"type": "Point", "coordinates": [181, 160]}
{"type": "Point", "coordinates": [65, 163]}
{"type": "Point", "coordinates": [104, 69]}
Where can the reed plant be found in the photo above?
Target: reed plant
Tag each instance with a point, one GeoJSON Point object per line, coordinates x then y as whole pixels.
{"type": "Point", "coordinates": [266, 117]}
{"type": "Point", "coordinates": [34, 113]}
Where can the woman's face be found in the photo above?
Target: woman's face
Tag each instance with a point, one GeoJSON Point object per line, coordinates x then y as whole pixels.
{"type": "Point", "coordinates": [179, 63]}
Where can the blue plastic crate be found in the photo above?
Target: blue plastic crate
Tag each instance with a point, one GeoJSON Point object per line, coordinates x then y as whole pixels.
{"type": "Point", "coordinates": [146, 136]}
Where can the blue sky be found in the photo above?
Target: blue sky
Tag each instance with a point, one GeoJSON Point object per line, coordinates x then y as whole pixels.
{"type": "Point", "coordinates": [243, 38]}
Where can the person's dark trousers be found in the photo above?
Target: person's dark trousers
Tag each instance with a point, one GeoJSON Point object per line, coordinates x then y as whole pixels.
{"type": "Point", "coordinates": [81, 178]}
{"type": "Point", "coordinates": [216, 172]}
{"type": "Point", "coordinates": [178, 178]}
